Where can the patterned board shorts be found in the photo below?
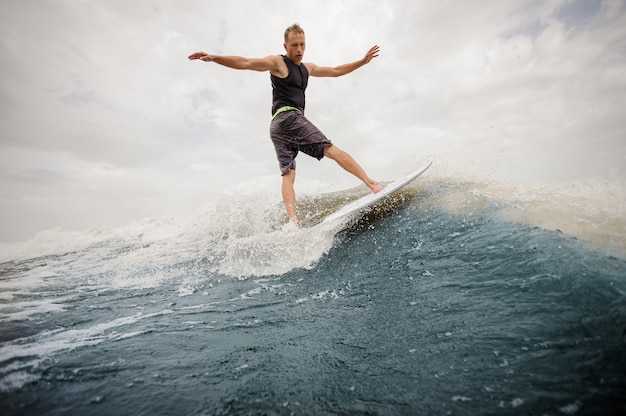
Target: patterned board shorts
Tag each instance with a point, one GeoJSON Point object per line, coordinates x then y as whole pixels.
{"type": "Point", "coordinates": [291, 133]}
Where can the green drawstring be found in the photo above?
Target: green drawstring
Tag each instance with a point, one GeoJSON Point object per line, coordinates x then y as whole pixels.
{"type": "Point", "coordinates": [283, 109]}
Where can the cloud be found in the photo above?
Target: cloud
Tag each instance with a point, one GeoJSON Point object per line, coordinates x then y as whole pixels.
{"type": "Point", "coordinates": [104, 118]}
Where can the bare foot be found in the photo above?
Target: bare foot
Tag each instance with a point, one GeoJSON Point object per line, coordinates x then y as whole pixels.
{"type": "Point", "coordinates": [377, 187]}
{"type": "Point", "coordinates": [291, 226]}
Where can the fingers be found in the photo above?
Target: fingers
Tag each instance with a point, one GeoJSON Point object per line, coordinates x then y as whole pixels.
{"type": "Point", "coordinates": [372, 53]}
{"type": "Point", "coordinates": [198, 55]}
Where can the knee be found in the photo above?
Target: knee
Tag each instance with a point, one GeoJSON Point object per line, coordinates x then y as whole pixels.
{"type": "Point", "coordinates": [331, 152]}
{"type": "Point", "coordinates": [289, 176]}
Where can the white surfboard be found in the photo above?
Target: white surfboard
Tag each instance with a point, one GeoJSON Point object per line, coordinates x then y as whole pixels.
{"type": "Point", "coordinates": [368, 200]}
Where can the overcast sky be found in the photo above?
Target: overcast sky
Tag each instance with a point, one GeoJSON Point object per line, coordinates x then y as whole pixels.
{"type": "Point", "coordinates": [104, 119]}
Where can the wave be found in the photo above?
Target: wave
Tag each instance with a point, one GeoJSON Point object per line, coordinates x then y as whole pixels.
{"type": "Point", "coordinates": [439, 251]}
{"type": "Point", "coordinates": [245, 235]}
{"type": "Point", "coordinates": [593, 212]}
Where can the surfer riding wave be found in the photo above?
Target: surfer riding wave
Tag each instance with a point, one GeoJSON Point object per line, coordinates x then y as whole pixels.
{"type": "Point", "coordinates": [290, 131]}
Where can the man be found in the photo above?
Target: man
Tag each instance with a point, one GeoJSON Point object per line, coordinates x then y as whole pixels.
{"type": "Point", "coordinates": [290, 131]}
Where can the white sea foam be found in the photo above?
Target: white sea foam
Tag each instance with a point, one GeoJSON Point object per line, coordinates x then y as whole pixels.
{"type": "Point", "coordinates": [31, 350]}
{"type": "Point", "coordinates": [242, 234]}
{"type": "Point", "coordinates": [49, 342]}
{"type": "Point", "coordinates": [23, 310]}
{"type": "Point", "coordinates": [275, 252]}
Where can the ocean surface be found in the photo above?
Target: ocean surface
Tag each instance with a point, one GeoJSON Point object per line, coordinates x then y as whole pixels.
{"type": "Point", "coordinates": [451, 298]}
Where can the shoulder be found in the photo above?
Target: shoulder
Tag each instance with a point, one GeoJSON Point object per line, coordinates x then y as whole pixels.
{"type": "Point", "coordinates": [279, 67]}
{"type": "Point", "coordinates": [310, 67]}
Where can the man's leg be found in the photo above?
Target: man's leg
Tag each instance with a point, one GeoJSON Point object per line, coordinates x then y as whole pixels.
{"type": "Point", "coordinates": [289, 195]}
{"type": "Point", "coordinates": [349, 164]}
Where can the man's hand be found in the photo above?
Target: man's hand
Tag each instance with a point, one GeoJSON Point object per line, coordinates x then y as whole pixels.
{"type": "Point", "coordinates": [371, 54]}
{"type": "Point", "coordinates": [201, 55]}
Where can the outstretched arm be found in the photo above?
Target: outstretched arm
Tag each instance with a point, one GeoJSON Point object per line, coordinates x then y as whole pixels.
{"type": "Point", "coordinates": [337, 71]}
{"type": "Point", "coordinates": [269, 63]}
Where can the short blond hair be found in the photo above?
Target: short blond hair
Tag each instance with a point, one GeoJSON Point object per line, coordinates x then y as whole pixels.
{"type": "Point", "coordinates": [296, 28]}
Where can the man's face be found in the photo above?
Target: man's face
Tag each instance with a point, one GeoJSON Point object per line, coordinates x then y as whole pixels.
{"type": "Point", "coordinates": [295, 47]}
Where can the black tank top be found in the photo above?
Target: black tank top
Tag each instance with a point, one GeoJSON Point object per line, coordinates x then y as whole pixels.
{"type": "Point", "coordinates": [289, 91]}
